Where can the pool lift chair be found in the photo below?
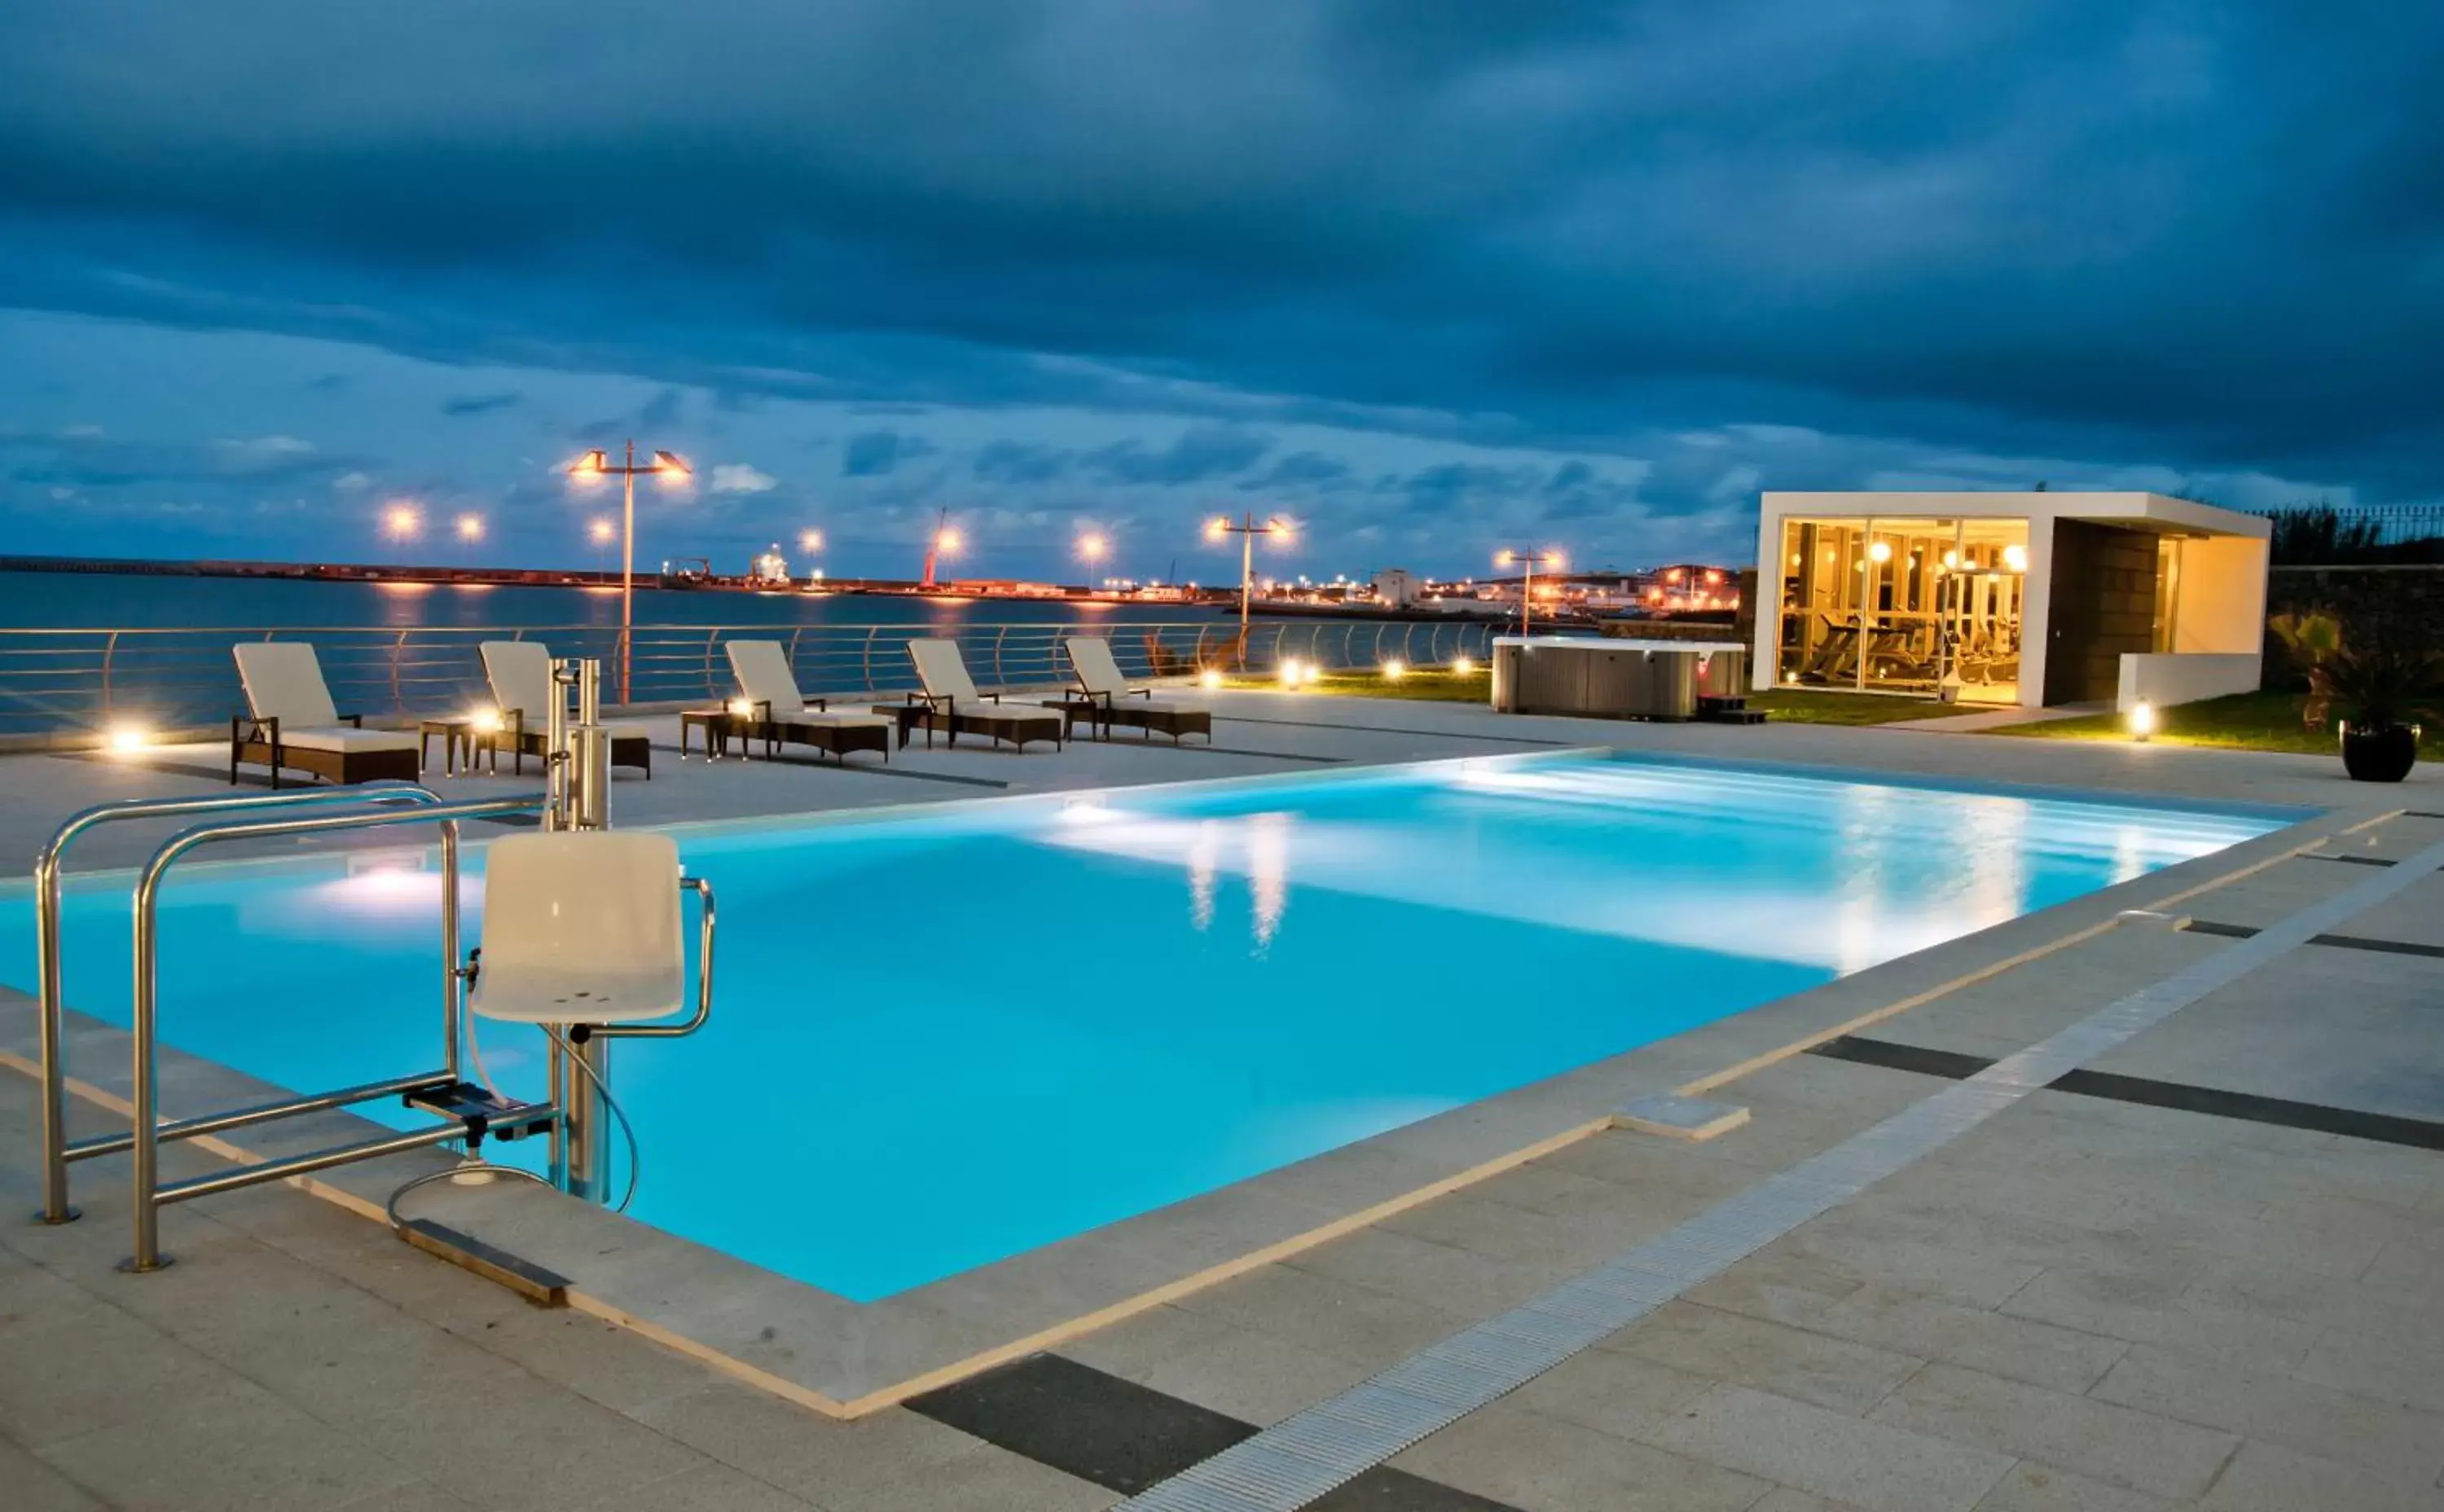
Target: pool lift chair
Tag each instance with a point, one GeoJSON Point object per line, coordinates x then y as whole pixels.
{"type": "Point", "coordinates": [582, 937]}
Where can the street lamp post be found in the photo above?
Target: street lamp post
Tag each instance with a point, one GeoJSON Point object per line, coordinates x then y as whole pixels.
{"type": "Point", "coordinates": [1526, 559]}
{"type": "Point", "coordinates": [1247, 528]}
{"type": "Point", "coordinates": [594, 466]}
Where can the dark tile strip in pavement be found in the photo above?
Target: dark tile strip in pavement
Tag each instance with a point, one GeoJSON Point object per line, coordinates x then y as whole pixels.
{"type": "Point", "coordinates": [2379, 1128]}
{"type": "Point", "coordinates": [2337, 942]}
{"type": "Point", "coordinates": [1126, 1438]}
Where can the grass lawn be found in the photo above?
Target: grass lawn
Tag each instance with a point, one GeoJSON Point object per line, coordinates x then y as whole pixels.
{"type": "Point", "coordinates": [2259, 721]}
{"type": "Point", "coordinates": [1425, 684]}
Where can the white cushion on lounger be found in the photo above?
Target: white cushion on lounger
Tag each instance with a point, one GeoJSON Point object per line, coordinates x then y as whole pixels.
{"type": "Point", "coordinates": [284, 681]}
{"type": "Point", "coordinates": [764, 677]}
{"type": "Point", "coordinates": [344, 739]}
{"type": "Point", "coordinates": [942, 670]}
{"type": "Point", "coordinates": [840, 721]}
{"type": "Point", "coordinates": [1090, 657]}
{"type": "Point", "coordinates": [983, 711]}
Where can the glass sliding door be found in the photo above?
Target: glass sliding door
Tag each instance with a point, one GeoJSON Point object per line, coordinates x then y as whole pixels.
{"type": "Point", "coordinates": [1902, 605]}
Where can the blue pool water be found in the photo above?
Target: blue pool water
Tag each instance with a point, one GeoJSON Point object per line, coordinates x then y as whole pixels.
{"type": "Point", "coordinates": [947, 1038]}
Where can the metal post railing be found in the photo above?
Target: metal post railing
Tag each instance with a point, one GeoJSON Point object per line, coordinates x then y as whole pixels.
{"type": "Point", "coordinates": [51, 1000]}
{"type": "Point", "coordinates": [149, 1195]}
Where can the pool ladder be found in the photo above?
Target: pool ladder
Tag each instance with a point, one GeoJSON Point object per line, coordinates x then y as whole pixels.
{"type": "Point", "coordinates": [467, 1113]}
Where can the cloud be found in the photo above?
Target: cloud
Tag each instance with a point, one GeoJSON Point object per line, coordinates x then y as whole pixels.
{"type": "Point", "coordinates": [1019, 462]}
{"type": "Point", "coordinates": [465, 404]}
{"type": "Point", "coordinates": [1200, 452]}
{"type": "Point", "coordinates": [353, 482]}
{"type": "Point", "coordinates": [738, 477]}
{"type": "Point", "coordinates": [876, 454]}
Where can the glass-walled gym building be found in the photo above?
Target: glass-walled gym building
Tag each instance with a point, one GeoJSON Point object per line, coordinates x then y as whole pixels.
{"type": "Point", "coordinates": [2035, 597]}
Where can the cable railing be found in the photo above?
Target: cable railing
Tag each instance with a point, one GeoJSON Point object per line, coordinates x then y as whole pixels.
{"type": "Point", "coordinates": [86, 683]}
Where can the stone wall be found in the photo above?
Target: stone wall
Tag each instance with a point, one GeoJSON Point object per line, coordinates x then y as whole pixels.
{"type": "Point", "coordinates": [2409, 599]}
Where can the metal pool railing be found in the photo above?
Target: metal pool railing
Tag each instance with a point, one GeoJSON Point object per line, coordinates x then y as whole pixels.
{"type": "Point", "coordinates": [84, 682]}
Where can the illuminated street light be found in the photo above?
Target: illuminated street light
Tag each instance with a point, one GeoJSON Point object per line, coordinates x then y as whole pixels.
{"type": "Point", "coordinates": [1247, 528]}
{"type": "Point", "coordinates": [593, 467]}
{"type": "Point", "coordinates": [1094, 546]}
{"type": "Point", "coordinates": [1527, 559]}
{"type": "Point", "coordinates": [949, 542]}
{"type": "Point", "coordinates": [402, 522]}
{"type": "Point", "coordinates": [469, 528]}
{"type": "Point", "coordinates": [810, 542]}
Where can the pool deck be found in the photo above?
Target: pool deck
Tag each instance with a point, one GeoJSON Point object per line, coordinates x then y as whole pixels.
{"type": "Point", "coordinates": [2205, 1267]}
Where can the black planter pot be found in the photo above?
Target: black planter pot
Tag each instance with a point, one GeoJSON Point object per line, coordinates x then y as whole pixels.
{"type": "Point", "coordinates": [2379, 755]}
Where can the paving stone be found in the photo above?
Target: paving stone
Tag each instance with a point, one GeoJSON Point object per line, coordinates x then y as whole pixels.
{"type": "Point", "coordinates": [2113, 1443]}
{"type": "Point", "coordinates": [2402, 1371]}
{"type": "Point", "coordinates": [66, 1376]}
{"type": "Point", "coordinates": [1622, 1395]}
{"type": "Point", "coordinates": [34, 1486]}
{"type": "Point", "coordinates": [2144, 1309]}
{"type": "Point", "coordinates": [703, 1488]}
{"type": "Point", "coordinates": [1831, 1455]}
{"type": "Point", "coordinates": [1807, 1367]}
{"type": "Point", "coordinates": [786, 1446]}
{"type": "Point", "coordinates": [1930, 1328]}
{"type": "Point", "coordinates": [240, 1450]}
{"type": "Point", "coordinates": [2267, 1477]}
{"type": "Point", "coordinates": [2396, 1441]}
{"type": "Point", "coordinates": [1255, 1377]}
{"type": "Point", "coordinates": [984, 1480]}
{"type": "Point", "coordinates": [1443, 1276]}
{"type": "Point", "coordinates": [2029, 1486]}
{"type": "Point", "coordinates": [480, 1442]}
{"type": "Point", "coordinates": [1326, 1313]}
{"type": "Point", "coordinates": [1541, 1463]}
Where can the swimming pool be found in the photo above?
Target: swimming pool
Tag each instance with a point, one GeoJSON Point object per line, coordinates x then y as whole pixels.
{"type": "Point", "coordinates": [948, 1036]}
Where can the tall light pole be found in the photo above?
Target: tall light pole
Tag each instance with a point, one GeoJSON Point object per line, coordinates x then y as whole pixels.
{"type": "Point", "coordinates": [1247, 528]}
{"type": "Point", "coordinates": [1525, 559]}
{"type": "Point", "coordinates": [593, 466]}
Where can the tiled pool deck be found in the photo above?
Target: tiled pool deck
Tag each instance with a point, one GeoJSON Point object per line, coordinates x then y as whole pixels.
{"type": "Point", "coordinates": [2208, 1266]}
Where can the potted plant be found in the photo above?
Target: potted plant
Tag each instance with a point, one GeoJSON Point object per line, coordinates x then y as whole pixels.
{"type": "Point", "coordinates": [2381, 686]}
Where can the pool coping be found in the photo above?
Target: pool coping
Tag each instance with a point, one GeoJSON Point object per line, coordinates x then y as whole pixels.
{"type": "Point", "coordinates": [846, 1359]}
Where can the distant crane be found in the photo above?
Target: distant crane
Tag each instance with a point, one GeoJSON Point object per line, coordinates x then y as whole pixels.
{"type": "Point", "coordinates": [943, 540]}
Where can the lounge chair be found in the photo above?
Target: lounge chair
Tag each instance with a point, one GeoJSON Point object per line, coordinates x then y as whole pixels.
{"type": "Point", "coordinates": [780, 712]}
{"type": "Point", "coordinates": [953, 703]}
{"type": "Point", "coordinates": [291, 722]}
{"type": "Point", "coordinates": [1109, 699]}
{"type": "Point", "coordinates": [520, 673]}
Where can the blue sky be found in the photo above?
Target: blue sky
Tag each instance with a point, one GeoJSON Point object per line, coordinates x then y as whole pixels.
{"type": "Point", "coordinates": [1428, 275]}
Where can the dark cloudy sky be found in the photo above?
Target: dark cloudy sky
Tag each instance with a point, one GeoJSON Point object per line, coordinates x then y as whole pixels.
{"type": "Point", "coordinates": [1428, 275]}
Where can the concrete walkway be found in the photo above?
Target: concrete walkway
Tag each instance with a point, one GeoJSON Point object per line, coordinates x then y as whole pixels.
{"type": "Point", "coordinates": [2213, 1276]}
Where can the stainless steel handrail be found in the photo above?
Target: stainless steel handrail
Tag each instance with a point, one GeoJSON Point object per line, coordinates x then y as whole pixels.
{"type": "Point", "coordinates": [703, 890]}
{"type": "Point", "coordinates": [149, 1195]}
{"type": "Point", "coordinates": [53, 679]}
{"type": "Point", "coordinates": [50, 1007]}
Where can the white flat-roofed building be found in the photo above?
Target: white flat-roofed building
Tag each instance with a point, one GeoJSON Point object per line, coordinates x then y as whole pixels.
{"type": "Point", "coordinates": [2033, 598]}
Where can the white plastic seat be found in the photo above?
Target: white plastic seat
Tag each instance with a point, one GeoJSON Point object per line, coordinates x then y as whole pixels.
{"type": "Point", "coordinates": [582, 926]}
